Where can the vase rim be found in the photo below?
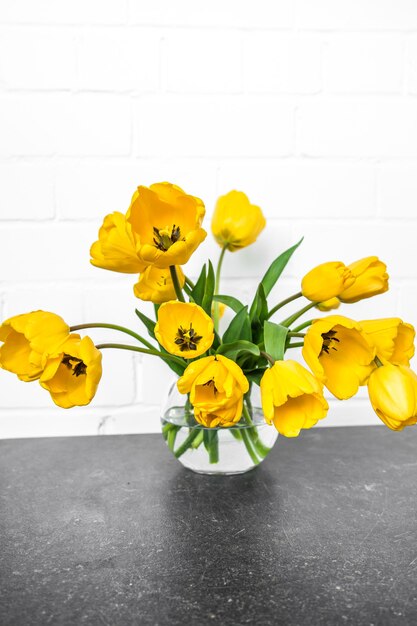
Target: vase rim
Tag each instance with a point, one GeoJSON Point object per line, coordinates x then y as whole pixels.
{"type": "Point", "coordinates": [176, 415]}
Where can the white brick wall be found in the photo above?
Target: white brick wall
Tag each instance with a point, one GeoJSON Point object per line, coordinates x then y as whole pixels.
{"type": "Point", "coordinates": [309, 107]}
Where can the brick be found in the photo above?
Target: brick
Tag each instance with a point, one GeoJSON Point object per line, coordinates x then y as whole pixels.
{"type": "Point", "coordinates": [64, 301]}
{"type": "Point", "coordinates": [81, 125]}
{"type": "Point", "coordinates": [117, 386]}
{"type": "Point", "coordinates": [135, 419]}
{"type": "Point", "coordinates": [408, 305]}
{"type": "Point", "coordinates": [303, 189]}
{"type": "Point", "coordinates": [363, 64]}
{"type": "Point", "coordinates": [215, 127]}
{"type": "Point", "coordinates": [397, 190]}
{"type": "Point", "coordinates": [46, 252]}
{"type": "Point", "coordinates": [358, 128]}
{"type": "Point", "coordinates": [357, 15]}
{"type": "Point", "coordinates": [94, 125]}
{"type": "Point", "coordinates": [114, 303]}
{"type": "Point", "coordinates": [27, 191]}
{"type": "Point", "coordinates": [281, 63]}
{"type": "Point", "coordinates": [52, 423]}
{"type": "Point", "coordinates": [53, 12]}
{"type": "Point", "coordinates": [411, 65]}
{"type": "Point", "coordinates": [47, 59]}
{"type": "Point", "coordinates": [118, 59]}
{"type": "Point", "coordinates": [235, 13]}
{"type": "Point", "coordinates": [203, 62]}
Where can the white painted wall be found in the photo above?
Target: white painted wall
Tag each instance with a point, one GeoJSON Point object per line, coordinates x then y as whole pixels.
{"type": "Point", "coordinates": [308, 107]}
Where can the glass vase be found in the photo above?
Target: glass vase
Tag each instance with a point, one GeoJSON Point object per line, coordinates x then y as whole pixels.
{"type": "Point", "coordinates": [233, 450]}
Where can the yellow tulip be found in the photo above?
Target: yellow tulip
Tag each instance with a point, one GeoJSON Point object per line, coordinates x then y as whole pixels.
{"type": "Point", "coordinates": [329, 305]}
{"type": "Point", "coordinates": [393, 339]}
{"type": "Point", "coordinates": [166, 224]}
{"type": "Point", "coordinates": [71, 375]}
{"type": "Point", "coordinates": [393, 395]}
{"type": "Point", "coordinates": [184, 329]}
{"type": "Point", "coordinates": [326, 281]}
{"type": "Point", "coordinates": [222, 309]}
{"type": "Point", "coordinates": [292, 398]}
{"type": "Point", "coordinates": [26, 338]}
{"type": "Point", "coordinates": [155, 285]}
{"type": "Point", "coordinates": [116, 249]}
{"type": "Point", "coordinates": [236, 222]}
{"type": "Point", "coordinates": [216, 386]}
{"type": "Point", "coordinates": [371, 279]}
{"type": "Point", "coordinates": [339, 354]}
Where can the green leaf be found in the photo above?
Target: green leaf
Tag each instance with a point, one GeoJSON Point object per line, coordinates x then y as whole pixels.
{"type": "Point", "coordinates": [275, 336]}
{"type": "Point", "coordinates": [239, 327]}
{"type": "Point", "coordinates": [277, 267]}
{"type": "Point", "coordinates": [235, 304]}
{"type": "Point", "coordinates": [150, 324]}
{"type": "Point", "coordinates": [209, 289]}
{"type": "Point", "coordinates": [259, 308]}
{"type": "Point", "coordinates": [197, 292]}
{"type": "Point", "coordinates": [255, 375]}
{"type": "Point", "coordinates": [234, 349]}
{"type": "Point", "coordinates": [176, 367]}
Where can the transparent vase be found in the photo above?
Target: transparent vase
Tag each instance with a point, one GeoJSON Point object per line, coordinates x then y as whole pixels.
{"type": "Point", "coordinates": [233, 450]}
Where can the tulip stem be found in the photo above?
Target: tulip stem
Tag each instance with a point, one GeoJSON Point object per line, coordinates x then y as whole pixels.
{"type": "Point", "coordinates": [268, 357]}
{"type": "Point", "coordinates": [283, 303]}
{"type": "Point", "coordinates": [302, 326]}
{"type": "Point", "coordinates": [122, 329]}
{"type": "Point", "coordinates": [122, 346]}
{"type": "Point", "coordinates": [294, 334]}
{"type": "Point", "coordinates": [176, 283]}
{"type": "Point", "coordinates": [297, 344]}
{"type": "Point", "coordinates": [289, 320]}
{"type": "Point", "coordinates": [216, 306]}
{"type": "Point", "coordinates": [189, 282]}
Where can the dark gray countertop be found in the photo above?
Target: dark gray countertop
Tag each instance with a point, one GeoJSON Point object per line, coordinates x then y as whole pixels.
{"type": "Point", "coordinates": [112, 530]}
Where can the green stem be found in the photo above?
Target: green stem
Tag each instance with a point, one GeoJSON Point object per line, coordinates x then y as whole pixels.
{"type": "Point", "coordinates": [214, 448]}
{"type": "Point", "coordinates": [297, 344]}
{"type": "Point", "coordinates": [302, 326]}
{"type": "Point", "coordinates": [122, 329]}
{"type": "Point", "coordinates": [260, 448]}
{"type": "Point", "coordinates": [268, 357]}
{"type": "Point", "coordinates": [187, 443]}
{"type": "Point", "coordinates": [189, 282]}
{"type": "Point", "coordinates": [283, 303]}
{"type": "Point", "coordinates": [289, 320]}
{"type": "Point", "coordinates": [249, 446]}
{"type": "Point", "coordinates": [216, 308]}
{"type": "Point", "coordinates": [198, 440]}
{"type": "Point", "coordinates": [172, 435]}
{"type": "Point", "coordinates": [176, 283]}
{"type": "Point", "coordinates": [122, 346]}
{"type": "Point", "coordinates": [294, 334]}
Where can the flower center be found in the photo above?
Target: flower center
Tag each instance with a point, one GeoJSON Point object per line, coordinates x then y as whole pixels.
{"type": "Point", "coordinates": [210, 383]}
{"type": "Point", "coordinates": [164, 238]}
{"type": "Point", "coordinates": [328, 338]}
{"type": "Point", "coordinates": [187, 339]}
{"type": "Point", "coordinates": [77, 366]}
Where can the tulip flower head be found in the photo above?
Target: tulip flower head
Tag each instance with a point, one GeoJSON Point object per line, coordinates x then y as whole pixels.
{"type": "Point", "coordinates": [155, 285]}
{"type": "Point", "coordinates": [184, 329]}
{"type": "Point", "coordinates": [326, 281]}
{"type": "Point", "coordinates": [236, 222]}
{"type": "Point", "coordinates": [216, 386]}
{"type": "Point", "coordinates": [371, 279]}
{"type": "Point", "coordinates": [292, 398]}
{"type": "Point", "coordinates": [393, 395]}
{"type": "Point", "coordinates": [339, 354]}
{"type": "Point", "coordinates": [115, 249]}
{"type": "Point", "coordinates": [27, 338]}
{"type": "Point", "coordinates": [392, 338]}
{"type": "Point", "coordinates": [166, 224]}
{"type": "Point", "coordinates": [72, 374]}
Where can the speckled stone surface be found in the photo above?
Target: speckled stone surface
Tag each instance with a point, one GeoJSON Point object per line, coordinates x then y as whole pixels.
{"type": "Point", "coordinates": [112, 530]}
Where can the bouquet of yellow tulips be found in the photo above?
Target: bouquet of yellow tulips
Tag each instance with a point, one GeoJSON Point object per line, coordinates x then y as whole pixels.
{"type": "Point", "coordinates": [154, 239]}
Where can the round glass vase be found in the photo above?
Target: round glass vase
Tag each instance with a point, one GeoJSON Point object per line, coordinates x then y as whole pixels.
{"type": "Point", "coordinates": [233, 450]}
